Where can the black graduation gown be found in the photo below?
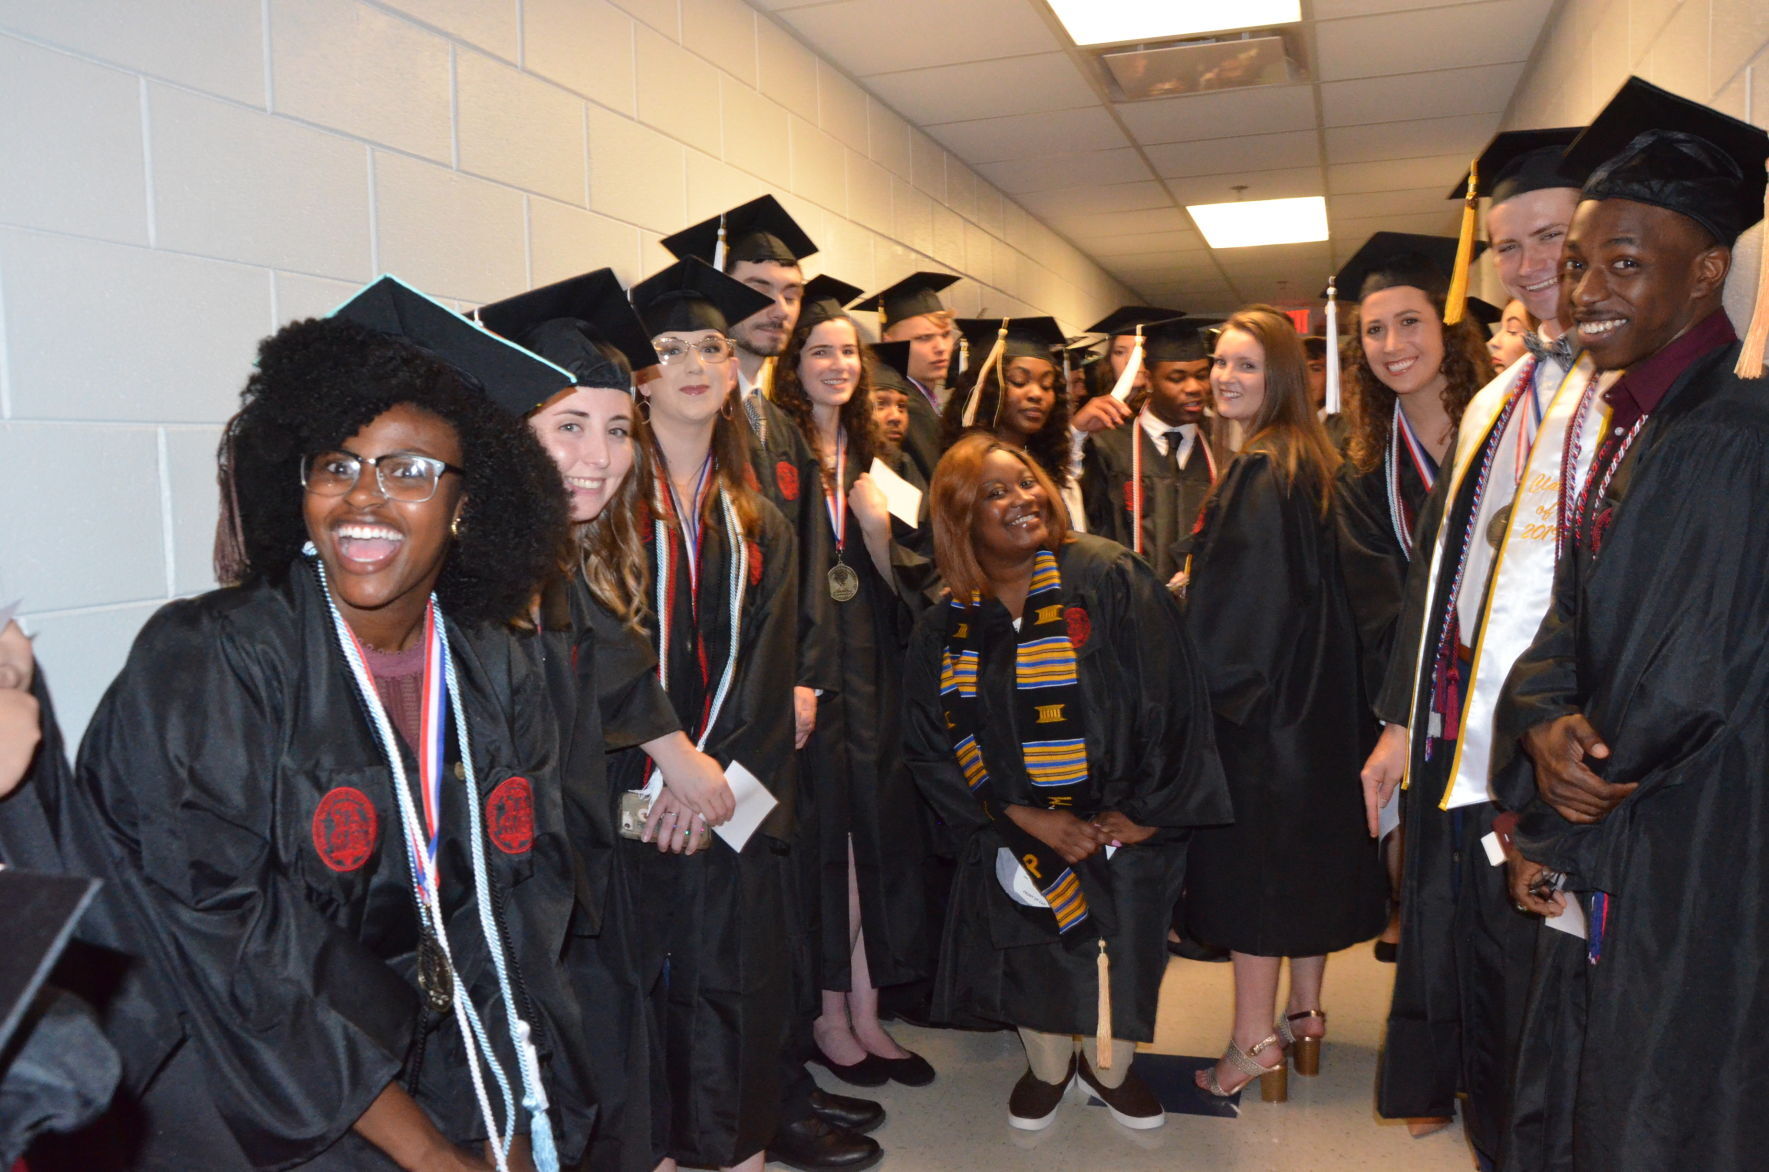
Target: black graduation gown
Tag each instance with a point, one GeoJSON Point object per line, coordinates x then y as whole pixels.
{"type": "Point", "coordinates": [858, 788]}
{"type": "Point", "coordinates": [924, 442]}
{"type": "Point", "coordinates": [1658, 640]}
{"type": "Point", "coordinates": [239, 786]}
{"type": "Point", "coordinates": [1462, 968]}
{"type": "Point", "coordinates": [1150, 755]}
{"type": "Point", "coordinates": [1296, 874]}
{"type": "Point", "coordinates": [712, 928]}
{"type": "Point", "coordinates": [1171, 496]}
{"type": "Point", "coordinates": [1373, 560]}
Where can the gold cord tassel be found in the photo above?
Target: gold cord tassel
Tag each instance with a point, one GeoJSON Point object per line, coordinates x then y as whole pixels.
{"type": "Point", "coordinates": [991, 362]}
{"type": "Point", "coordinates": [1456, 301]}
{"type": "Point", "coordinates": [1756, 335]}
{"type": "Point", "coordinates": [1102, 1032]}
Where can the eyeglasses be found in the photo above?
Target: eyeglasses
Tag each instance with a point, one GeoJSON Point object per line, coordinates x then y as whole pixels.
{"type": "Point", "coordinates": [401, 476]}
{"type": "Point", "coordinates": [713, 351]}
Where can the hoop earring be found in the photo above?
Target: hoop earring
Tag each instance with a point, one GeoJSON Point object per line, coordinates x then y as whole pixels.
{"type": "Point", "coordinates": [643, 407]}
{"type": "Point", "coordinates": [729, 409]}
{"type": "Point", "coordinates": [454, 527]}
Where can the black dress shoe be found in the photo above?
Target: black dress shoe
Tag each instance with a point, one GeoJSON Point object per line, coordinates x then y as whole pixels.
{"type": "Point", "coordinates": [1386, 951]}
{"type": "Point", "coordinates": [811, 1145]}
{"type": "Point", "coordinates": [912, 1071]}
{"type": "Point", "coordinates": [870, 1071]}
{"type": "Point", "coordinates": [1197, 950]}
{"type": "Point", "coordinates": [856, 1115]}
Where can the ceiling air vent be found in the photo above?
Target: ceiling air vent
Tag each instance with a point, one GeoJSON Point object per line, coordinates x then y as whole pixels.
{"type": "Point", "coordinates": [1201, 65]}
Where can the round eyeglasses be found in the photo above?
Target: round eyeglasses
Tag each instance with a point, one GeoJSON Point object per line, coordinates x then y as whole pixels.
{"type": "Point", "coordinates": [401, 476]}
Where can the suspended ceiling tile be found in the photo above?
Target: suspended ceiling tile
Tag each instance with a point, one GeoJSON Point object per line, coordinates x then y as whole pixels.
{"type": "Point", "coordinates": [1253, 152]}
{"type": "Point", "coordinates": [1111, 246]}
{"type": "Point", "coordinates": [1412, 201]}
{"type": "Point", "coordinates": [1325, 10]}
{"type": "Point", "coordinates": [1266, 110]}
{"type": "Point", "coordinates": [1080, 169]}
{"type": "Point", "coordinates": [1099, 225]}
{"type": "Point", "coordinates": [1220, 188]}
{"type": "Point", "coordinates": [1414, 138]}
{"type": "Point", "coordinates": [1439, 171]}
{"type": "Point", "coordinates": [880, 36]}
{"type": "Point", "coordinates": [1349, 233]}
{"type": "Point", "coordinates": [985, 89]}
{"type": "Point", "coordinates": [1434, 94]}
{"type": "Point", "coordinates": [1049, 136]}
{"type": "Point", "coordinates": [1096, 199]}
{"type": "Point", "coordinates": [1458, 35]}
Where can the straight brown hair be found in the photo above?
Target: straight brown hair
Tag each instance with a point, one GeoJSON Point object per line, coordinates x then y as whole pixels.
{"type": "Point", "coordinates": [1286, 425]}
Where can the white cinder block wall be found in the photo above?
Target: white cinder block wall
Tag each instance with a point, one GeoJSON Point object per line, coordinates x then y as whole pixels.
{"type": "Point", "coordinates": [1713, 51]}
{"type": "Point", "coordinates": [179, 177]}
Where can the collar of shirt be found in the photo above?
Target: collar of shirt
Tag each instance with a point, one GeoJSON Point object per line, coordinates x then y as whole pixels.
{"type": "Point", "coordinates": [745, 388]}
{"type": "Point", "coordinates": [1157, 430]}
{"type": "Point", "coordinates": [926, 391]}
{"type": "Point", "coordinates": [1640, 390]}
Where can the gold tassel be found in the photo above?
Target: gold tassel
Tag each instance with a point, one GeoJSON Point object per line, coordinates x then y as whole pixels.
{"type": "Point", "coordinates": [1102, 1032]}
{"type": "Point", "coordinates": [1756, 335]}
{"type": "Point", "coordinates": [990, 362]}
{"type": "Point", "coordinates": [1456, 301]}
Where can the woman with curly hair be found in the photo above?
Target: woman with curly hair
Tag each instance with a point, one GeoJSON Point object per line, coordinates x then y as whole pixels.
{"type": "Point", "coordinates": [1013, 390]}
{"type": "Point", "coordinates": [1296, 875]}
{"type": "Point", "coordinates": [1409, 377]}
{"type": "Point", "coordinates": [862, 819]}
{"type": "Point", "coordinates": [336, 780]}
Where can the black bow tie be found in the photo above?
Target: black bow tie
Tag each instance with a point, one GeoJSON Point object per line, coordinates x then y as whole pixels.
{"type": "Point", "coordinates": [1559, 350]}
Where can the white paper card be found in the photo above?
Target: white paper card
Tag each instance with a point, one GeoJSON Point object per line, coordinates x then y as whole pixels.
{"type": "Point", "coordinates": [754, 803]}
{"type": "Point", "coordinates": [1571, 921]}
{"type": "Point", "coordinates": [7, 611]}
{"type": "Point", "coordinates": [1495, 854]}
{"type": "Point", "coordinates": [1388, 817]}
{"type": "Point", "coordinates": [902, 498]}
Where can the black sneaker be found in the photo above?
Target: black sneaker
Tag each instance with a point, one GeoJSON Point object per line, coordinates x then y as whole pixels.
{"type": "Point", "coordinates": [1033, 1104]}
{"type": "Point", "coordinates": [1131, 1102]}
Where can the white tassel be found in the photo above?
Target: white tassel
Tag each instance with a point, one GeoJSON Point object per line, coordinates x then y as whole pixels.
{"type": "Point", "coordinates": [720, 248]}
{"type": "Point", "coordinates": [1332, 347]}
{"type": "Point", "coordinates": [1132, 368]}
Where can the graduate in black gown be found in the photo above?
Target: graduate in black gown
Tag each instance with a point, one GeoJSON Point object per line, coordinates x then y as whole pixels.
{"type": "Point", "coordinates": [1631, 734]}
{"type": "Point", "coordinates": [1296, 875]}
{"type": "Point", "coordinates": [721, 572]}
{"type": "Point", "coordinates": [1157, 469]}
{"type": "Point", "coordinates": [1057, 719]}
{"type": "Point", "coordinates": [910, 312]}
{"type": "Point", "coordinates": [1013, 390]}
{"type": "Point", "coordinates": [353, 899]}
{"type": "Point", "coordinates": [863, 843]}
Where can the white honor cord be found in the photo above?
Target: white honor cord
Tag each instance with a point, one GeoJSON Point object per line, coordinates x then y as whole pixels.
{"type": "Point", "coordinates": [476, 1043]}
{"type": "Point", "coordinates": [735, 592]}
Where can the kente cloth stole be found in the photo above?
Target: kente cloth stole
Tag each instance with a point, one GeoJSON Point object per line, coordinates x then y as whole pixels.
{"type": "Point", "coordinates": [1047, 708]}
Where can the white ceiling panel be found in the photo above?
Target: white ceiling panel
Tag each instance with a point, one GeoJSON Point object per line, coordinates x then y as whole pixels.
{"type": "Point", "coordinates": [1254, 111]}
{"type": "Point", "coordinates": [1396, 174]}
{"type": "Point", "coordinates": [880, 36]}
{"type": "Point", "coordinates": [1103, 224]}
{"type": "Point", "coordinates": [1414, 138]}
{"type": "Point", "coordinates": [1413, 201]}
{"type": "Point", "coordinates": [1286, 184]}
{"type": "Point", "coordinates": [1023, 136]}
{"type": "Point", "coordinates": [985, 89]}
{"type": "Point", "coordinates": [1252, 152]}
{"type": "Point", "coordinates": [1459, 35]}
{"type": "Point", "coordinates": [1325, 10]}
{"type": "Point", "coordinates": [1098, 199]}
{"type": "Point", "coordinates": [1439, 93]}
{"type": "Point", "coordinates": [1104, 247]}
{"type": "Point", "coordinates": [1350, 233]}
{"type": "Point", "coordinates": [1079, 169]}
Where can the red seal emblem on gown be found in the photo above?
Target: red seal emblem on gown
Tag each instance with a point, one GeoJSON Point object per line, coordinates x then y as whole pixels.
{"type": "Point", "coordinates": [1080, 626]}
{"type": "Point", "coordinates": [787, 477]}
{"type": "Point", "coordinates": [345, 827]}
{"type": "Point", "coordinates": [755, 563]}
{"type": "Point", "coordinates": [509, 815]}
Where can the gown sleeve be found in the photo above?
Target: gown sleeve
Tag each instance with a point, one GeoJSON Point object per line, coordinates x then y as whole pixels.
{"type": "Point", "coordinates": [1253, 573]}
{"type": "Point", "coordinates": [299, 1025]}
{"type": "Point", "coordinates": [1374, 567]}
{"type": "Point", "coordinates": [927, 747]}
{"type": "Point", "coordinates": [635, 708]}
{"type": "Point", "coordinates": [1394, 698]}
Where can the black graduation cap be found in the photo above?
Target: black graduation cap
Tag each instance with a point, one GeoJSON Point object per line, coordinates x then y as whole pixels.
{"type": "Point", "coordinates": [758, 230]}
{"type": "Point", "coordinates": [1485, 312]}
{"type": "Point", "coordinates": [692, 295]}
{"type": "Point", "coordinates": [41, 911]}
{"type": "Point", "coordinates": [1519, 161]}
{"type": "Point", "coordinates": [562, 322]}
{"type": "Point", "coordinates": [1653, 147]}
{"type": "Point", "coordinates": [1388, 259]}
{"type": "Point", "coordinates": [825, 297]}
{"type": "Point", "coordinates": [914, 295]}
{"type": "Point", "coordinates": [1027, 337]}
{"type": "Point", "coordinates": [891, 368]}
{"type": "Point", "coordinates": [1080, 354]}
{"type": "Point", "coordinates": [505, 371]}
{"type": "Point", "coordinates": [1126, 318]}
{"type": "Point", "coordinates": [1186, 340]}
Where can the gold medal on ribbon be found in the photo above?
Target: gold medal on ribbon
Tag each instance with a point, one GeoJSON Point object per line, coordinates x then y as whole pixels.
{"type": "Point", "coordinates": [844, 583]}
{"type": "Point", "coordinates": [1495, 528]}
{"type": "Point", "coordinates": [434, 977]}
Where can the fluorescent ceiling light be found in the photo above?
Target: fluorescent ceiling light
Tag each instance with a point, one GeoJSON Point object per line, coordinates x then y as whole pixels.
{"type": "Point", "coordinates": [1247, 223]}
{"type": "Point", "coordinates": [1104, 22]}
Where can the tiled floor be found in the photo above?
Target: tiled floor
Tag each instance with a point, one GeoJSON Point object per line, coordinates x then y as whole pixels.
{"type": "Point", "coordinates": [960, 1122]}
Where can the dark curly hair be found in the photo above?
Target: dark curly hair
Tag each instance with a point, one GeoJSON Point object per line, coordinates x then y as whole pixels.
{"type": "Point", "coordinates": [1369, 404]}
{"type": "Point", "coordinates": [1049, 445]}
{"type": "Point", "coordinates": [790, 395]}
{"type": "Point", "coordinates": [320, 381]}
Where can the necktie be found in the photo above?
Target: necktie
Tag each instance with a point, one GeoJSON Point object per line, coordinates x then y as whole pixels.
{"type": "Point", "coordinates": [1175, 445]}
{"type": "Point", "coordinates": [753, 409]}
{"type": "Point", "coordinates": [1559, 350]}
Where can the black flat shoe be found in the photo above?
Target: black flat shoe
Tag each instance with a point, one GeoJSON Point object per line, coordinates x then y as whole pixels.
{"type": "Point", "coordinates": [856, 1115]}
{"type": "Point", "coordinates": [1386, 950]}
{"type": "Point", "coordinates": [811, 1145]}
{"type": "Point", "coordinates": [1189, 949]}
{"type": "Point", "coordinates": [912, 1071]}
{"type": "Point", "coordinates": [868, 1072]}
